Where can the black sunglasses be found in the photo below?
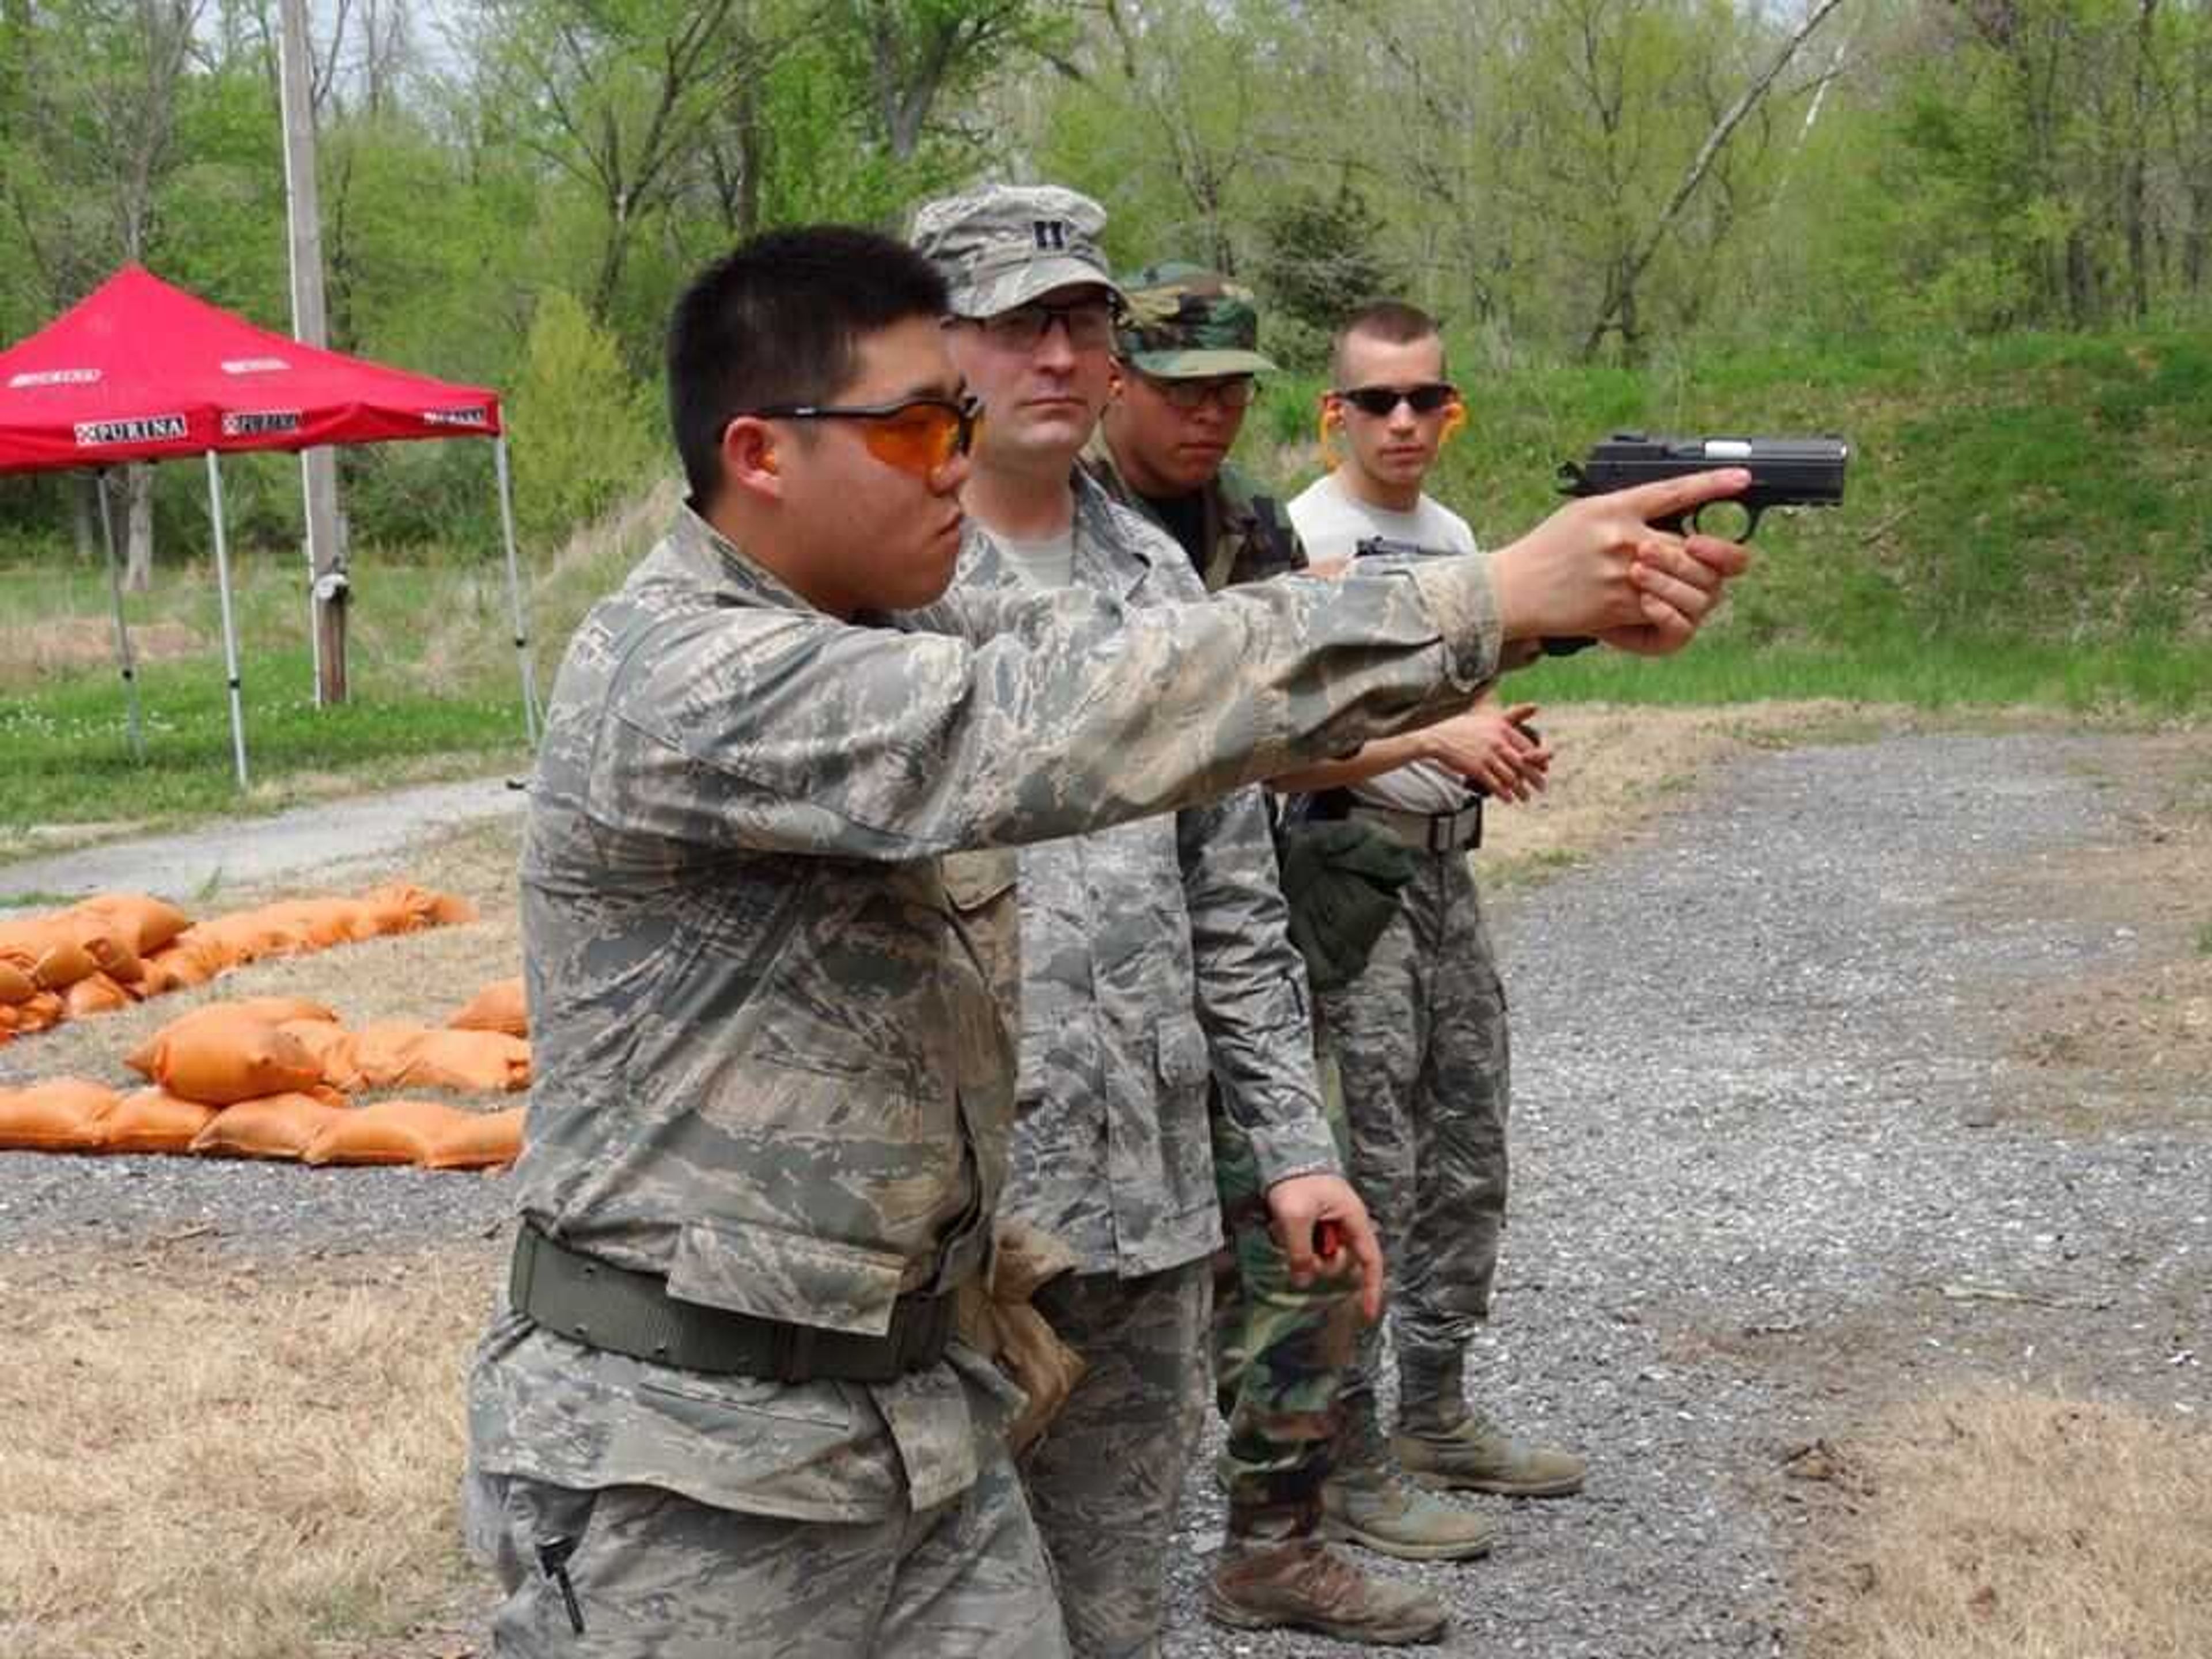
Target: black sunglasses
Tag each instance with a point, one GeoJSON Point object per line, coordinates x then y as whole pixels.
{"type": "Point", "coordinates": [1380, 400]}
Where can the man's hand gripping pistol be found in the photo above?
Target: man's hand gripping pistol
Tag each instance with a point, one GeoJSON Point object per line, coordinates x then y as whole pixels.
{"type": "Point", "coordinates": [1784, 472]}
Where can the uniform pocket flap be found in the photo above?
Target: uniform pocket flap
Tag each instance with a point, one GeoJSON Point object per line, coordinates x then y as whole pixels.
{"type": "Point", "coordinates": [770, 1273]}
{"type": "Point", "coordinates": [1183, 1057]}
{"type": "Point", "coordinates": [972, 880]}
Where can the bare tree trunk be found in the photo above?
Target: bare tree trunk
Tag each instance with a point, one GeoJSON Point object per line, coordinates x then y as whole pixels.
{"type": "Point", "coordinates": [138, 559]}
{"type": "Point", "coordinates": [2138, 164]}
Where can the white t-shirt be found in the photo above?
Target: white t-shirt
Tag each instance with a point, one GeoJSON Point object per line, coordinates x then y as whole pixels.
{"type": "Point", "coordinates": [1332, 522]}
{"type": "Point", "coordinates": [1048, 563]}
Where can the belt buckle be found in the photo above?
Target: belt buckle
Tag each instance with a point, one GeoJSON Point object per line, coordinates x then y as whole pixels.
{"type": "Point", "coordinates": [1442, 832]}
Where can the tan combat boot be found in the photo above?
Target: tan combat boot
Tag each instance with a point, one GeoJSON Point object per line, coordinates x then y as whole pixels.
{"type": "Point", "coordinates": [1268, 1583]}
{"type": "Point", "coordinates": [1476, 1455]}
{"type": "Point", "coordinates": [1371, 1503]}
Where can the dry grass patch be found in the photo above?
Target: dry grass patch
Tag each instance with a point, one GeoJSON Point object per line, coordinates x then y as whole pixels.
{"type": "Point", "coordinates": [2132, 1043]}
{"type": "Point", "coordinates": [210, 1460]}
{"type": "Point", "coordinates": [2005, 1525]}
{"type": "Point", "coordinates": [28, 652]}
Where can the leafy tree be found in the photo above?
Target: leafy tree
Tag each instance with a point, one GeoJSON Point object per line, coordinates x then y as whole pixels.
{"type": "Point", "coordinates": [580, 435]}
{"type": "Point", "coordinates": [1321, 256]}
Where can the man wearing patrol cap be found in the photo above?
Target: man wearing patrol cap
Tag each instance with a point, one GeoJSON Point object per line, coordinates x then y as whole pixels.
{"type": "Point", "coordinates": [1154, 957]}
{"type": "Point", "coordinates": [1284, 1352]}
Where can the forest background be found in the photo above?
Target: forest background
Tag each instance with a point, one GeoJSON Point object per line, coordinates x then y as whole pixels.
{"type": "Point", "coordinates": [1975, 236]}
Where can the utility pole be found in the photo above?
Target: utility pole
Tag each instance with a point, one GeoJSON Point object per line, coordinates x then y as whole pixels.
{"type": "Point", "coordinates": [318, 471]}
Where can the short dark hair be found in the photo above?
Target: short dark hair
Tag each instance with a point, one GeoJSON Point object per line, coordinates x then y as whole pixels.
{"type": "Point", "coordinates": [1392, 321]}
{"type": "Point", "coordinates": [778, 320]}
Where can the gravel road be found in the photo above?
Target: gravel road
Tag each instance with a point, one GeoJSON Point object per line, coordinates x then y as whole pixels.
{"type": "Point", "coordinates": [327, 837]}
{"type": "Point", "coordinates": [1765, 1175]}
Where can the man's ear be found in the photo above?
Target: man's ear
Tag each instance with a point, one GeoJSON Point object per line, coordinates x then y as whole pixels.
{"type": "Point", "coordinates": [1114, 381]}
{"type": "Point", "coordinates": [748, 457]}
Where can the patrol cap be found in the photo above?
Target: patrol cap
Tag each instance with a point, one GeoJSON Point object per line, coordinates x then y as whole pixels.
{"type": "Point", "coordinates": [1185, 323]}
{"type": "Point", "coordinates": [1003, 244]}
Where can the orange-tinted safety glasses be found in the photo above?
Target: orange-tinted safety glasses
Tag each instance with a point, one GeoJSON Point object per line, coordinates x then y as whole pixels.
{"type": "Point", "coordinates": [916, 434]}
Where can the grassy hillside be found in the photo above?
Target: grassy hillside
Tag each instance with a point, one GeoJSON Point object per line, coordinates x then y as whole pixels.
{"type": "Point", "coordinates": [2028, 520]}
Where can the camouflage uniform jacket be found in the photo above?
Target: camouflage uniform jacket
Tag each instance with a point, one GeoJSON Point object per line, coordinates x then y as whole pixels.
{"type": "Point", "coordinates": [1248, 536]}
{"type": "Point", "coordinates": [768, 1064]}
{"type": "Point", "coordinates": [1154, 955]}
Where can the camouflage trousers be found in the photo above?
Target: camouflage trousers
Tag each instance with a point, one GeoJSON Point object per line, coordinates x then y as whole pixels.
{"type": "Point", "coordinates": [1104, 1480]}
{"type": "Point", "coordinates": [1420, 1040]}
{"type": "Point", "coordinates": [639, 1573]}
{"type": "Point", "coordinates": [1282, 1355]}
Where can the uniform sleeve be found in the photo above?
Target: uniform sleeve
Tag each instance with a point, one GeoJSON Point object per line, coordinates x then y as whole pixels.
{"type": "Point", "coordinates": [789, 731]}
{"type": "Point", "coordinates": [1251, 986]}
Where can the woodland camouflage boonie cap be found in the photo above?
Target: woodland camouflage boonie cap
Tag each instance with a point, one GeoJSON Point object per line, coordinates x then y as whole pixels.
{"type": "Point", "coordinates": [1186, 324]}
{"type": "Point", "coordinates": [1002, 246]}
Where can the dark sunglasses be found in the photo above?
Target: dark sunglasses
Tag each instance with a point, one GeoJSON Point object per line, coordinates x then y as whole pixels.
{"type": "Point", "coordinates": [1381, 400]}
{"type": "Point", "coordinates": [915, 435]}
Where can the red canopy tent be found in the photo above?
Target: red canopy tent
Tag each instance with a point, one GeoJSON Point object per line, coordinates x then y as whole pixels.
{"type": "Point", "coordinates": [141, 371]}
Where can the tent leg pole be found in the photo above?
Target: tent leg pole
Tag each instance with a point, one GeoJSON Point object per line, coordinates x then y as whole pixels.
{"type": "Point", "coordinates": [122, 628]}
{"type": "Point", "coordinates": [229, 628]}
{"type": "Point", "coordinates": [514, 590]}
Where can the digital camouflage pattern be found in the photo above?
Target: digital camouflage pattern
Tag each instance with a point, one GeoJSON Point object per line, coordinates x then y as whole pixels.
{"type": "Point", "coordinates": [1154, 958]}
{"type": "Point", "coordinates": [770, 1065]}
{"type": "Point", "coordinates": [1184, 322]}
{"type": "Point", "coordinates": [655, 1575]}
{"type": "Point", "coordinates": [1421, 1041]}
{"type": "Point", "coordinates": [1105, 1481]}
{"type": "Point", "coordinates": [1002, 246]}
{"type": "Point", "coordinates": [1282, 1353]}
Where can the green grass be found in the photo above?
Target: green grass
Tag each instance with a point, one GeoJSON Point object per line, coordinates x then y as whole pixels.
{"type": "Point", "coordinates": [2047, 496]}
{"type": "Point", "coordinates": [2205, 940]}
{"type": "Point", "coordinates": [70, 758]}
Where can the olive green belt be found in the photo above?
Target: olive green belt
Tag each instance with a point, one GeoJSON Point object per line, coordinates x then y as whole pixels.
{"type": "Point", "coordinates": [602, 1306]}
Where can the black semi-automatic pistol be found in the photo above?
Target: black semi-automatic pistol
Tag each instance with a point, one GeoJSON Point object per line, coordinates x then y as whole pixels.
{"type": "Point", "coordinates": [1784, 472]}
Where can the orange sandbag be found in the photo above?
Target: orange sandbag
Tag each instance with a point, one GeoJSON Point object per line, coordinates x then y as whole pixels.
{"type": "Point", "coordinates": [178, 967]}
{"type": "Point", "coordinates": [95, 994]}
{"type": "Point", "coordinates": [106, 941]}
{"type": "Point", "coordinates": [401, 906]}
{"type": "Point", "coordinates": [63, 1115]}
{"type": "Point", "coordinates": [222, 1054]}
{"type": "Point", "coordinates": [498, 1007]}
{"type": "Point", "coordinates": [395, 1055]}
{"type": "Point", "coordinates": [273, 1126]}
{"type": "Point", "coordinates": [421, 1132]}
{"type": "Point", "coordinates": [478, 1141]}
{"type": "Point", "coordinates": [63, 964]}
{"type": "Point", "coordinates": [333, 1048]}
{"type": "Point", "coordinates": [147, 922]}
{"type": "Point", "coordinates": [16, 984]}
{"type": "Point", "coordinates": [389, 1132]}
{"type": "Point", "coordinates": [321, 923]}
{"type": "Point", "coordinates": [42, 1011]}
{"type": "Point", "coordinates": [153, 1121]}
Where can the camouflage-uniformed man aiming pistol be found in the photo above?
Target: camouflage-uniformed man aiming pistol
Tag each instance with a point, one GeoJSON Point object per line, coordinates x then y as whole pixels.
{"type": "Point", "coordinates": [721, 1411]}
